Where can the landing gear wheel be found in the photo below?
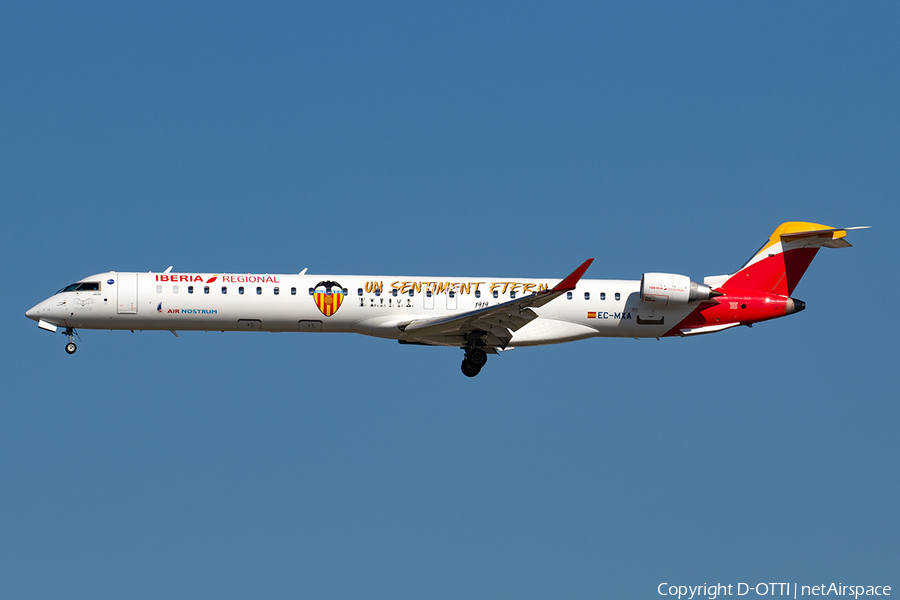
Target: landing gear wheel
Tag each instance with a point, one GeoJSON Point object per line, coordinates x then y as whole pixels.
{"type": "Point", "coordinates": [476, 357]}
{"type": "Point", "coordinates": [71, 347]}
{"type": "Point", "coordinates": [468, 370]}
{"type": "Point", "coordinates": [474, 360]}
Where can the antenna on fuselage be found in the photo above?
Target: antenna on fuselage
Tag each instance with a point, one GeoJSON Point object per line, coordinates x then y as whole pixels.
{"type": "Point", "coordinates": [303, 272]}
{"type": "Point", "coordinates": [167, 270]}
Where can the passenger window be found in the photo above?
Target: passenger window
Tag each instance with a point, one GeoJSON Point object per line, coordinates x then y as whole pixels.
{"type": "Point", "coordinates": [587, 295]}
{"type": "Point", "coordinates": [478, 293]}
{"type": "Point", "coordinates": [224, 290]}
{"type": "Point", "coordinates": [377, 291]}
{"type": "Point", "coordinates": [359, 292]}
{"type": "Point", "coordinates": [618, 296]}
{"type": "Point", "coordinates": [603, 295]}
{"type": "Point", "coordinates": [512, 294]}
{"type": "Point", "coordinates": [394, 292]}
{"type": "Point", "coordinates": [311, 292]}
{"type": "Point", "coordinates": [344, 291]}
{"type": "Point", "coordinates": [159, 289]}
{"type": "Point", "coordinates": [496, 294]}
{"type": "Point", "coordinates": [293, 291]}
{"type": "Point", "coordinates": [258, 291]}
{"type": "Point", "coordinates": [190, 289]}
{"type": "Point", "coordinates": [452, 294]}
{"type": "Point", "coordinates": [206, 289]}
{"type": "Point", "coordinates": [276, 291]}
{"type": "Point", "coordinates": [174, 289]}
{"type": "Point", "coordinates": [411, 292]}
{"type": "Point", "coordinates": [428, 293]}
{"type": "Point", "coordinates": [241, 290]}
{"type": "Point", "coordinates": [568, 295]}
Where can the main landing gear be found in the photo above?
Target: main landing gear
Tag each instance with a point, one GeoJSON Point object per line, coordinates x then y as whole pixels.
{"type": "Point", "coordinates": [474, 360]}
{"type": "Point", "coordinates": [71, 347]}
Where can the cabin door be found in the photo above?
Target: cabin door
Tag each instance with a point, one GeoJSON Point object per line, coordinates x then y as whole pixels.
{"type": "Point", "coordinates": [127, 293]}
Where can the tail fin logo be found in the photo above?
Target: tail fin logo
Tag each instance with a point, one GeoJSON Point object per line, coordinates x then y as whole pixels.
{"type": "Point", "coordinates": [328, 295]}
{"type": "Point", "coordinates": [782, 261]}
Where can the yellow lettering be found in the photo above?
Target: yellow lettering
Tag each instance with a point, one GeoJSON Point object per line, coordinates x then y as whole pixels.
{"type": "Point", "coordinates": [495, 286]}
{"type": "Point", "coordinates": [395, 285]}
{"type": "Point", "coordinates": [465, 288]}
{"type": "Point", "coordinates": [476, 284]}
{"type": "Point", "coordinates": [404, 287]}
{"type": "Point", "coordinates": [505, 285]}
{"type": "Point", "coordinates": [528, 288]}
{"type": "Point", "coordinates": [417, 285]}
{"type": "Point", "coordinates": [542, 287]}
{"type": "Point", "coordinates": [513, 285]}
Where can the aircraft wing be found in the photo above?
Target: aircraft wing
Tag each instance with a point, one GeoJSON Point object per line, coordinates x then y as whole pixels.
{"type": "Point", "coordinates": [492, 326]}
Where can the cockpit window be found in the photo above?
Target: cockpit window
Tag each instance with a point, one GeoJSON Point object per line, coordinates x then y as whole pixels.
{"type": "Point", "coordinates": [84, 286]}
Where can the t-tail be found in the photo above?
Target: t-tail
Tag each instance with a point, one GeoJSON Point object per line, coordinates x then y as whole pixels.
{"type": "Point", "coordinates": [762, 288]}
{"type": "Point", "coordinates": [777, 267]}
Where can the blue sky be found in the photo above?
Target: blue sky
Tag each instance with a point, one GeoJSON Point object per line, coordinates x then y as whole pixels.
{"type": "Point", "coordinates": [467, 139]}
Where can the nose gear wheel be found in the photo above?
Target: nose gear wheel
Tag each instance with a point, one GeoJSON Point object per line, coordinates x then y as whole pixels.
{"type": "Point", "coordinates": [71, 334]}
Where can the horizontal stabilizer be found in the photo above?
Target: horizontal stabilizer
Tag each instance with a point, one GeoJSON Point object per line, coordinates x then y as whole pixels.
{"type": "Point", "coordinates": [828, 237]}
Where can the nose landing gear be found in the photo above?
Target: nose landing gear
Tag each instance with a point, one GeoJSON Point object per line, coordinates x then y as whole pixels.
{"type": "Point", "coordinates": [473, 362]}
{"type": "Point", "coordinates": [71, 347]}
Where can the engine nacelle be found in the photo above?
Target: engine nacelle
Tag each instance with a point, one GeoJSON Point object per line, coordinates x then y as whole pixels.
{"type": "Point", "coordinates": [668, 289]}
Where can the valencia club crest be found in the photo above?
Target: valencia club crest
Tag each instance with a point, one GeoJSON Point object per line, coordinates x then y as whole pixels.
{"type": "Point", "coordinates": [328, 296]}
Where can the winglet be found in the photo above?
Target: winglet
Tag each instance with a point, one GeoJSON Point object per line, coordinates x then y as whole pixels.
{"type": "Point", "coordinates": [571, 281]}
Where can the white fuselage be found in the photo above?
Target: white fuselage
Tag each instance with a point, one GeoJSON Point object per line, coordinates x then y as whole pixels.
{"type": "Point", "coordinates": [481, 315]}
{"type": "Point", "coordinates": [369, 305]}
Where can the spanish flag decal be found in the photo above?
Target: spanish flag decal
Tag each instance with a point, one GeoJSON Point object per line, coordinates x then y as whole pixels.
{"type": "Point", "coordinates": [592, 315]}
{"type": "Point", "coordinates": [328, 296]}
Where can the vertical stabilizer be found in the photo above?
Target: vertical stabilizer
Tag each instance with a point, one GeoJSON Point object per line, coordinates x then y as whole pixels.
{"type": "Point", "coordinates": [778, 266]}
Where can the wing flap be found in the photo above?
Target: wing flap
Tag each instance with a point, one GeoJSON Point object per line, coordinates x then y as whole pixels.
{"type": "Point", "coordinates": [492, 339]}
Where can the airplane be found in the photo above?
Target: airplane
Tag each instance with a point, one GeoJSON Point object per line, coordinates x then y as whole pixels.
{"type": "Point", "coordinates": [480, 315]}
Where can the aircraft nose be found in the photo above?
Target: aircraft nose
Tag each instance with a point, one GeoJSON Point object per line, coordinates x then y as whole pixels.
{"type": "Point", "coordinates": [37, 312]}
{"type": "Point", "coordinates": [33, 312]}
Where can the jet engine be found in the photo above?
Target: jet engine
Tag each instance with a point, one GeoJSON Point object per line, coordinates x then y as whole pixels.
{"type": "Point", "coordinates": [668, 289]}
